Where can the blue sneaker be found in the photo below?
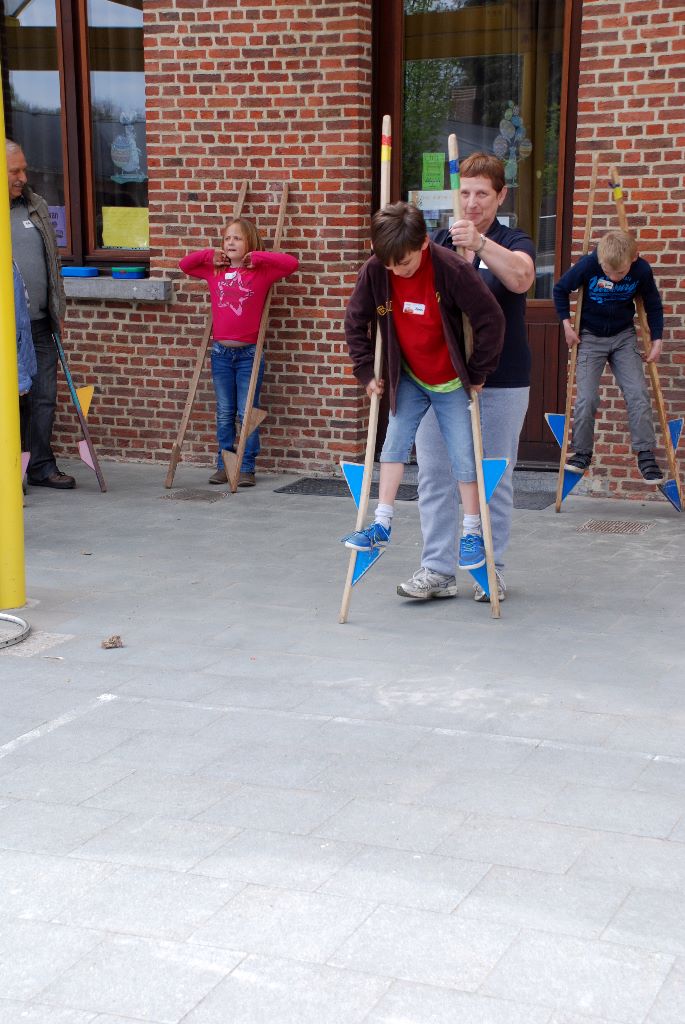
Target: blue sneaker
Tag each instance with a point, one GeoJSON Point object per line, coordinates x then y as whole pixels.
{"type": "Point", "coordinates": [374, 536]}
{"type": "Point", "coordinates": [471, 551]}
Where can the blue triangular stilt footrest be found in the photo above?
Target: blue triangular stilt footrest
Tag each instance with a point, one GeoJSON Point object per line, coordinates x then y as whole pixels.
{"type": "Point", "coordinates": [556, 421]}
{"type": "Point", "coordinates": [364, 561]}
{"type": "Point", "coordinates": [354, 475]}
{"type": "Point", "coordinates": [493, 471]}
{"type": "Point", "coordinates": [675, 429]}
{"type": "Point", "coordinates": [481, 576]}
{"type": "Point", "coordinates": [669, 489]}
{"type": "Point", "coordinates": [570, 481]}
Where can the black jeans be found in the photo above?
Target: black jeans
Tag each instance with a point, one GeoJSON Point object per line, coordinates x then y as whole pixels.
{"type": "Point", "coordinates": [43, 401]}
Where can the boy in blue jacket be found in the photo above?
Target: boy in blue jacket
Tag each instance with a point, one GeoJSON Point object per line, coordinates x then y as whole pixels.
{"type": "Point", "coordinates": [612, 277]}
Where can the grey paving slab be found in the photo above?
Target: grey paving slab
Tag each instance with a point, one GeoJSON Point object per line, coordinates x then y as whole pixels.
{"type": "Point", "coordinates": [19, 1013]}
{"type": "Point", "coordinates": [669, 1006]}
{"type": "Point", "coordinates": [614, 810]}
{"type": "Point", "coordinates": [265, 765]}
{"type": "Point", "coordinates": [425, 947]}
{"type": "Point", "coordinates": [678, 832]}
{"type": "Point", "coordinates": [580, 976]}
{"type": "Point", "coordinates": [516, 843]}
{"type": "Point", "coordinates": [584, 765]}
{"type": "Point", "coordinates": [185, 754]}
{"type": "Point", "coordinates": [34, 953]}
{"type": "Point", "coordinates": [401, 878]}
{"type": "Point", "coordinates": [650, 919]}
{"type": "Point", "coordinates": [398, 826]}
{"type": "Point", "coordinates": [277, 859]}
{"type": "Point", "coordinates": [494, 793]}
{"type": "Point", "coordinates": [640, 862]}
{"type": "Point", "coordinates": [161, 793]}
{"type": "Point", "coordinates": [38, 886]}
{"type": "Point", "coordinates": [50, 828]}
{"type": "Point", "coordinates": [393, 777]}
{"type": "Point", "coordinates": [151, 714]}
{"type": "Point", "coordinates": [277, 810]}
{"type": "Point", "coordinates": [662, 774]}
{"type": "Point", "coordinates": [138, 901]}
{"type": "Point", "coordinates": [473, 751]}
{"type": "Point", "coordinates": [533, 899]}
{"type": "Point", "coordinates": [422, 1004]}
{"type": "Point", "coordinates": [74, 742]}
{"type": "Point", "coordinates": [155, 842]}
{"type": "Point", "coordinates": [291, 924]}
{"type": "Point", "coordinates": [59, 783]}
{"type": "Point", "coordinates": [264, 989]}
{"type": "Point", "coordinates": [142, 979]}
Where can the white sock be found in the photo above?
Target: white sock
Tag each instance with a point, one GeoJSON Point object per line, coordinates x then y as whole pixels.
{"type": "Point", "coordinates": [383, 515]}
{"type": "Point", "coordinates": [471, 524]}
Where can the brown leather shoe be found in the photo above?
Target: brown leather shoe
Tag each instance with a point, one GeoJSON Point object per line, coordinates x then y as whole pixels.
{"type": "Point", "coordinates": [60, 481]}
{"type": "Point", "coordinates": [246, 480]}
{"type": "Point", "coordinates": [219, 477]}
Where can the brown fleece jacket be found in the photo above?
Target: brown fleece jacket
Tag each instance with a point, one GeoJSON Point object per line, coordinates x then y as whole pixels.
{"type": "Point", "coordinates": [459, 290]}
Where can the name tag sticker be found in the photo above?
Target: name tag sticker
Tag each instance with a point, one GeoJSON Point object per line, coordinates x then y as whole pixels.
{"type": "Point", "coordinates": [482, 265]}
{"type": "Point", "coordinates": [27, 223]}
{"type": "Point", "coordinates": [608, 285]}
{"type": "Point", "coordinates": [417, 308]}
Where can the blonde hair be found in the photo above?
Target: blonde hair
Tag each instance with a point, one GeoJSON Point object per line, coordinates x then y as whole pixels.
{"type": "Point", "coordinates": [253, 240]}
{"type": "Point", "coordinates": [616, 248]}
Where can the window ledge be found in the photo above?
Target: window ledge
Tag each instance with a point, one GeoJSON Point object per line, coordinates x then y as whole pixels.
{"type": "Point", "coordinates": [146, 289]}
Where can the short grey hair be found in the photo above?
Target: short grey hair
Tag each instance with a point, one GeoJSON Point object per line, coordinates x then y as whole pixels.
{"type": "Point", "coordinates": [12, 147]}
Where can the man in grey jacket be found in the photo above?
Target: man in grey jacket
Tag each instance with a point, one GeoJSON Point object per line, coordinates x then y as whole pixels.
{"type": "Point", "coordinates": [34, 248]}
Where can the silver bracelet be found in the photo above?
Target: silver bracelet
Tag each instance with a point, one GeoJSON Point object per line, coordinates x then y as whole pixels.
{"type": "Point", "coordinates": [479, 250]}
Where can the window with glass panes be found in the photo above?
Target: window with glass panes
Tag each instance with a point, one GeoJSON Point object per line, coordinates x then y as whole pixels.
{"type": "Point", "coordinates": [74, 95]}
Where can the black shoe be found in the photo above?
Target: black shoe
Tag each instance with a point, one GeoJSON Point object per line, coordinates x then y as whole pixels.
{"type": "Point", "coordinates": [649, 467]}
{"type": "Point", "coordinates": [579, 462]}
{"type": "Point", "coordinates": [60, 481]}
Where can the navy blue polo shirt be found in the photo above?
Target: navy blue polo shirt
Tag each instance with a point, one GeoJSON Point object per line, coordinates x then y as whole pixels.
{"type": "Point", "coordinates": [513, 369]}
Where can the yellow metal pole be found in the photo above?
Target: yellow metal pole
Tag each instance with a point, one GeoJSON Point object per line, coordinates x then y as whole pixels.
{"type": "Point", "coordinates": [12, 581]}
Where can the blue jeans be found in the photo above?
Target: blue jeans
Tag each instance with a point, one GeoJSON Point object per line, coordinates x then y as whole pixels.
{"type": "Point", "coordinates": [452, 412]}
{"type": "Point", "coordinates": [231, 372]}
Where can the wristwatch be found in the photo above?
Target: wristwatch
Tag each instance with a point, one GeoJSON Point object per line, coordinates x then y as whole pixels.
{"type": "Point", "coordinates": [483, 240]}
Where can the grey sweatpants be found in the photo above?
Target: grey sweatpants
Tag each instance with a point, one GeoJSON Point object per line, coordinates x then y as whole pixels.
{"type": "Point", "coordinates": [502, 411]}
{"type": "Point", "coordinates": [622, 354]}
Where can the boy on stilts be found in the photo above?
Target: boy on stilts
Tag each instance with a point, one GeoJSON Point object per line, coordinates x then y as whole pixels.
{"type": "Point", "coordinates": [419, 292]}
{"type": "Point", "coordinates": [612, 278]}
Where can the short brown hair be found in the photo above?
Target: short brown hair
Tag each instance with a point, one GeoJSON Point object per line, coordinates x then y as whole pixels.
{"type": "Point", "coordinates": [616, 247]}
{"type": "Point", "coordinates": [483, 165]}
{"type": "Point", "coordinates": [397, 230]}
{"type": "Point", "coordinates": [253, 240]}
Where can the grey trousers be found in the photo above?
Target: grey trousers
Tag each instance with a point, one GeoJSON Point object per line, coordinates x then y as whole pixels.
{"type": "Point", "coordinates": [503, 411]}
{"type": "Point", "coordinates": [622, 353]}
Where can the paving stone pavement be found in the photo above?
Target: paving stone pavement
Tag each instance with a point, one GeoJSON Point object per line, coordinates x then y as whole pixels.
{"type": "Point", "coordinates": [250, 813]}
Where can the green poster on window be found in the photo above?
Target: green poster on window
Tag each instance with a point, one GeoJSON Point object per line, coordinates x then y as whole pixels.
{"type": "Point", "coordinates": [433, 175]}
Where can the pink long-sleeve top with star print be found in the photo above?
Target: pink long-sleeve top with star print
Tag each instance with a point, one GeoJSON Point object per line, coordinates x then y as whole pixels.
{"type": "Point", "coordinates": [238, 295]}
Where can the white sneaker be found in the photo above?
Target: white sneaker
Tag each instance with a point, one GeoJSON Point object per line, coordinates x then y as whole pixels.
{"type": "Point", "coordinates": [480, 595]}
{"type": "Point", "coordinates": [426, 583]}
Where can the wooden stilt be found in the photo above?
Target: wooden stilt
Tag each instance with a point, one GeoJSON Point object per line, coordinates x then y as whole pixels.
{"type": "Point", "coordinates": [79, 413]}
{"type": "Point", "coordinates": [199, 363]}
{"type": "Point", "coordinates": [253, 417]}
{"type": "Point", "coordinates": [386, 149]}
{"type": "Point", "coordinates": [573, 354]}
{"type": "Point", "coordinates": [643, 330]}
{"type": "Point", "coordinates": [453, 153]}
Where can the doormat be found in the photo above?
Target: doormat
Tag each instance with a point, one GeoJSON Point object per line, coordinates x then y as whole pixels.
{"type": "Point", "coordinates": [333, 488]}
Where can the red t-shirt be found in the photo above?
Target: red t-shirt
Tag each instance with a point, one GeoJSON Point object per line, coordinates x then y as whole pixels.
{"type": "Point", "coordinates": [418, 324]}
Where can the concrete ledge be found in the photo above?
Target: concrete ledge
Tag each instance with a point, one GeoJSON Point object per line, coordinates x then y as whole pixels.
{"type": "Point", "coordinates": [145, 289]}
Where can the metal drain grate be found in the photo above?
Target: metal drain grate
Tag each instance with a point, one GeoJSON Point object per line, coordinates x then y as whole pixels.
{"type": "Point", "coordinates": [339, 489]}
{"type": "Point", "coordinates": [195, 494]}
{"type": "Point", "coordinates": [334, 488]}
{"type": "Point", "coordinates": [612, 526]}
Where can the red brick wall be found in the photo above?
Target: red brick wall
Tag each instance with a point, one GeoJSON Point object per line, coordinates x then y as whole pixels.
{"type": "Point", "coordinates": [267, 92]}
{"type": "Point", "coordinates": [630, 106]}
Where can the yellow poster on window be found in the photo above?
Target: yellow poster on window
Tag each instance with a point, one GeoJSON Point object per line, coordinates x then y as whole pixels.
{"type": "Point", "coordinates": [125, 227]}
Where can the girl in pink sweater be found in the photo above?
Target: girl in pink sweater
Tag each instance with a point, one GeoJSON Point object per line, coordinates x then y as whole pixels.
{"type": "Point", "coordinates": [239, 276]}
